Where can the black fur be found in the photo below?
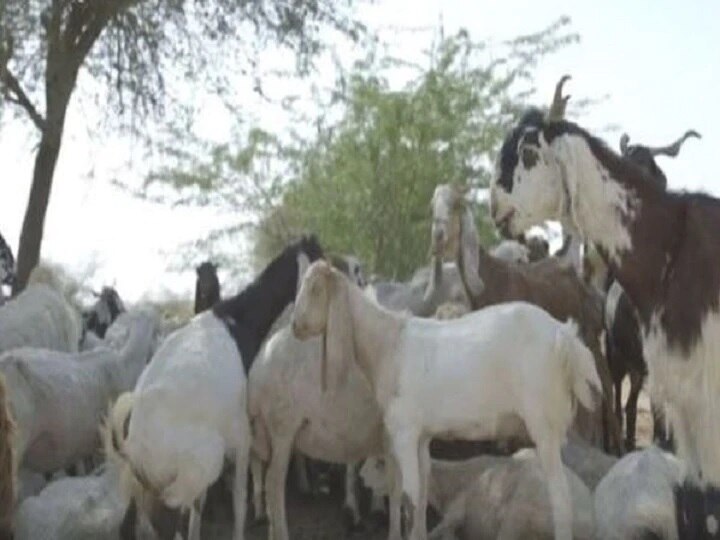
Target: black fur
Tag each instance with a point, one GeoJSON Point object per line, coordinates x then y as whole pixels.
{"type": "Point", "coordinates": [250, 314]}
{"type": "Point", "coordinates": [693, 507]}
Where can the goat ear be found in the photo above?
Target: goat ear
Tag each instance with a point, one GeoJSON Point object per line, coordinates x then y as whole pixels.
{"type": "Point", "coordinates": [338, 343]}
{"type": "Point", "coordinates": [470, 250]}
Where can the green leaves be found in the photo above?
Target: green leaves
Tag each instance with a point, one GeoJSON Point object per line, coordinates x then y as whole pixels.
{"type": "Point", "coordinates": [364, 181]}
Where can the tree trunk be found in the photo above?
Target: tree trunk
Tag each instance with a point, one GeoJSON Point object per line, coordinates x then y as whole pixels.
{"type": "Point", "coordinates": [45, 162]}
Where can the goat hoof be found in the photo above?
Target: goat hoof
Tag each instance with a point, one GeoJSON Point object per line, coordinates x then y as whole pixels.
{"type": "Point", "coordinates": [351, 523]}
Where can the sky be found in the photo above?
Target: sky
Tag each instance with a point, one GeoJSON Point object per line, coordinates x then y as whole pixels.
{"type": "Point", "coordinates": [656, 61]}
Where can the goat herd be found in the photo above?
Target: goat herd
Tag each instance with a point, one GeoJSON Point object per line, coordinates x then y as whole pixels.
{"type": "Point", "coordinates": [521, 352]}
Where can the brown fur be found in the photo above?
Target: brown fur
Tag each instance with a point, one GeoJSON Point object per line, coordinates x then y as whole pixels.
{"type": "Point", "coordinates": [675, 260]}
{"type": "Point", "coordinates": [7, 463]}
{"type": "Point", "coordinates": [562, 293]}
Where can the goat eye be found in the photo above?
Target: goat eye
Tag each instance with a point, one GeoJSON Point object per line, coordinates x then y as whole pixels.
{"type": "Point", "coordinates": [529, 158]}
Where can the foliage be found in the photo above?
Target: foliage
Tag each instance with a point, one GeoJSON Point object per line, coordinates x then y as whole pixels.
{"type": "Point", "coordinates": [364, 180]}
{"type": "Point", "coordinates": [144, 48]}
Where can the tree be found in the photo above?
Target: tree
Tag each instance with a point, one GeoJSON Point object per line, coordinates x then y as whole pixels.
{"type": "Point", "coordinates": [365, 183]}
{"type": "Point", "coordinates": [364, 179]}
{"type": "Point", "coordinates": [133, 47]}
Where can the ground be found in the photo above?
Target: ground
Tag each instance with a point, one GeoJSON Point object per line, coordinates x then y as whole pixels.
{"type": "Point", "coordinates": [320, 518]}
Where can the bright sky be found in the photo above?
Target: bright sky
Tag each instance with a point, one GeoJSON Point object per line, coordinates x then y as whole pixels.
{"type": "Point", "coordinates": [657, 61]}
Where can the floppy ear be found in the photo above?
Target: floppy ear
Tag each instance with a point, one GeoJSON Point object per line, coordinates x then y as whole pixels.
{"type": "Point", "coordinates": [338, 342]}
{"type": "Point", "coordinates": [469, 256]}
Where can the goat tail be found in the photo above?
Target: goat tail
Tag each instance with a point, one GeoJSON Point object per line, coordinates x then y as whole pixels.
{"type": "Point", "coordinates": [7, 462]}
{"type": "Point", "coordinates": [579, 364]}
{"type": "Point", "coordinates": [113, 432]}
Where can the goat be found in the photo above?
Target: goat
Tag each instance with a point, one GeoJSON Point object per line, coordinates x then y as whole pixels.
{"type": "Point", "coordinates": [511, 251]}
{"type": "Point", "coordinates": [207, 287]}
{"type": "Point", "coordinates": [644, 156]}
{"type": "Point", "coordinates": [624, 345]}
{"type": "Point", "coordinates": [548, 283]}
{"type": "Point", "coordinates": [57, 399]}
{"type": "Point", "coordinates": [661, 248]}
{"type": "Point", "coordinates": [494, 497]}
{"type": "Point", "coordinates": [288, 411]}
{"type": "Point", "coordinates": [635, 498]}
{"type": "Point", "coordinates": [40, 316]}
{"type": "Point", "coordinates": [171, 453]}
{"type": "Point", "coordinates": [103, 313]}
{"type": "Point", "coordinates": [428, 289]}
{"type": "Point", "coordinates": [73, 509]}
{"type": "Point", "coordinates": [494, 385]}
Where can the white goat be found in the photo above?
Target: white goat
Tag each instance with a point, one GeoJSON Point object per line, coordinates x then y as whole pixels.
{"type": "Point", "coordinates": [40, 316]}
{"type": "Point", "coordinates": [494, 385]}
{"type": "Point", "coordinates": [492, 497]}
{"type": "Point", "coordinates": [288, 411]}
{"type": "Point", "coordinates": [635, 499]}
{"type": "Point", "coordinates": [73, 509]}
{"type": "Point", "coordinates": [511, 251]}
{"type": "Point", "coordinates": [588, 462]}
{"type": "Point", "coordinates": [57, 399]}
{"type": "Point", "coordinates": [175, 452]}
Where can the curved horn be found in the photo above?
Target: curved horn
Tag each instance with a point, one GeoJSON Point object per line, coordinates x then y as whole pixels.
{"type": "Point", "coordinates": [673, 149]}
{"type": "Point", "coordinates": [624, 140]}
{"type": "Point", "coordinates": [557, 109]}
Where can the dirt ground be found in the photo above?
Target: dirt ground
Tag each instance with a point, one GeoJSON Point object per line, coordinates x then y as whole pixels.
{"type": "Point", "coordinates": [309, 518]}
{"type": "Point", "coordinates": [321, 517]}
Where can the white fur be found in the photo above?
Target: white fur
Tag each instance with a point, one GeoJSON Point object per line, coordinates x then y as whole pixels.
{"type": "Point", "coordinates": [459, 238]}
{"type": "Point", "coordinates": [495, 497]}
{"type": "Point", "coordinates": [511, 251]}
{"type": "Point", "coordinates": [687, 386]}
{"type": "Point", "coordinates": [289, 411]}
{"type": "Point", "coordinates": [58, 399]}
{"type": "Point", "coordinates": [39, 317]}
{"type": "Point", "coordinates": [600, 208]}
{"type": "Point", "coordinates": [611, 303]}
{"type": "Point", "coordinates": [589, 463]}
{"type": "Point", "coordinates": [637, 496]}
{"type": "Point", "coordinates": [492, 385]}
{"type": "Point", "coordinates": [541, 194]}
{"type": "Point", "coordinates": [189, 413]}
{"type": "Point", "coordinates": [411, 297]}
{"type": "Point", "coordinates": [73, 509]}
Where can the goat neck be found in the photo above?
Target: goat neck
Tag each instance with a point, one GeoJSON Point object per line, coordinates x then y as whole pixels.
{"type": "Point", "coordinates": [376, 332]}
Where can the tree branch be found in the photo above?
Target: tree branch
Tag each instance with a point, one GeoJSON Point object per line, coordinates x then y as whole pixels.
{"type": "Point", "coordinates": [96, 21]}
{"type": "Point", "coordinates": [20, 97]}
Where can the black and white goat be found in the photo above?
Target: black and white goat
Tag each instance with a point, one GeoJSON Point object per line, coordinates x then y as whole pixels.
{"type": "Point", "coordinates": [662, 248]}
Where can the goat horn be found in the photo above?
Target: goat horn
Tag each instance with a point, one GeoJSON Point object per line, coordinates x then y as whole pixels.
{"type": "Point", "coordinates": [557, 109]}
{"type": "Point", "coordinates": [624, 140]}
{"type": "Point", "coordinates": [673, 149]}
